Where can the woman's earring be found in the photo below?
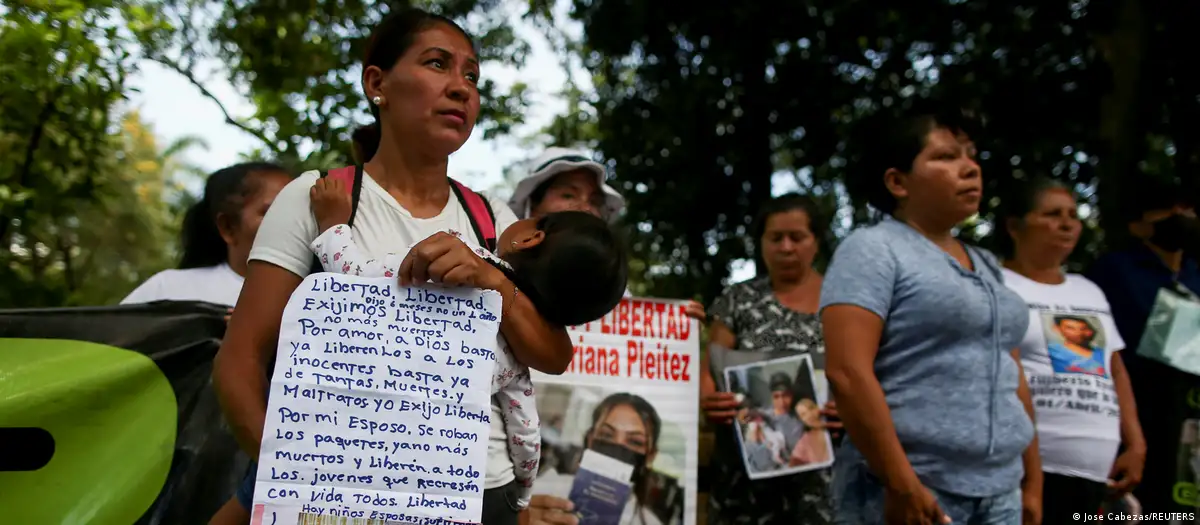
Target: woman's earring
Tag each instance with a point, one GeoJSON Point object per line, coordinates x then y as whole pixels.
{"type": "Point", "coordinates": [514, 244]}
{"type": "Point", "coordinates": [377, 100]}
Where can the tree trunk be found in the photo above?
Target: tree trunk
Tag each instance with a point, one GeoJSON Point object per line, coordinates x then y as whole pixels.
{"type": "Point", "coordinates": [1122, 124]}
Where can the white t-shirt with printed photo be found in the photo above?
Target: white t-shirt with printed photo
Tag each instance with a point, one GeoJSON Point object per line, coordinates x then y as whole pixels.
{"type": "Point", "coordinates": [1067, 355]}
{"type": "Point", "coordinates": [381, 226]}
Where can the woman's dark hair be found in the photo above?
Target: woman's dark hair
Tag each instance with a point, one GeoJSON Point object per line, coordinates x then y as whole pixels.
{"type": "Point", "coordinates": [225, 193]}
{"type": "Point", "coordinates": [577, 273]}
{"type": "Point", "coordinates": [886, 140]}
{"type": "Point", "coordinates": [644, 409]}
{"type": "Point", "coordinates": [1019, 200]}
{"type": "Point", "coordinates": [390, 39]}
{"type": "Point", "coordinates": [818, 223]}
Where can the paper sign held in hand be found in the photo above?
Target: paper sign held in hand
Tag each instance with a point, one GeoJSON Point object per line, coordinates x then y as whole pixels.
{"type": "Point", "coordinates": [380, 402]}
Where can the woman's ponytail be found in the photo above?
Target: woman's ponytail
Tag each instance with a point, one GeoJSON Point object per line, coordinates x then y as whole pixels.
{"type": "Point", "coordinates": [202, 242]}
{"type": "Point", "coordinates": [225, 193]}
{"type": "Point", "coordinates": [366, 142]}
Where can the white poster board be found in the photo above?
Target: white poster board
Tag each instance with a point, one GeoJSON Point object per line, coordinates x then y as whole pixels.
{"type": "Point", "coordinates": [634, 369]}
{"type": "Point", "coordinates": [379, 403]}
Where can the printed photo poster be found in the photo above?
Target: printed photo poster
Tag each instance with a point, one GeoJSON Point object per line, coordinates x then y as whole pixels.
{"type": "Point", "coordinates": [1079, 375]}
{"type": "Point", "coordinates": [1076, 344]}
{"type": "Point", "coordinates": [779, 423]}
{"type": "Point", "coordinates": [620, 429]}
{"type": "Point", "coordinates": [379, 404]}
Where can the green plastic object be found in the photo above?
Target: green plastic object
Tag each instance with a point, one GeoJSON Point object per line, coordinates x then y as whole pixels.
{"type": "Point", "coordinates": [113, 416]}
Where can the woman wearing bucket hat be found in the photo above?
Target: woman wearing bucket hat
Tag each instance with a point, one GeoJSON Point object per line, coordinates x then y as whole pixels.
{"type": "Point", "coordinates": [570, 180]}
{"type": "Point", "coordinates": [566, 180]}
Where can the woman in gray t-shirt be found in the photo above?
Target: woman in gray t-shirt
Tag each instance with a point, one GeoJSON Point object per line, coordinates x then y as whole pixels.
{"type": "Point", "coordinates": [776, 312]}
{"type": "Point", "coordinates": [920, 334]}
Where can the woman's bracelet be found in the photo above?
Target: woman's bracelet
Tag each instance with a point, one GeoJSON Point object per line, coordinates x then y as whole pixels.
{"type": "Point", "coordinates": [508, 304]}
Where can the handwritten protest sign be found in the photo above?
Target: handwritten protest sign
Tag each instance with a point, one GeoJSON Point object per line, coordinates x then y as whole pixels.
{"type": "Point", "coordinates": [379, 403]}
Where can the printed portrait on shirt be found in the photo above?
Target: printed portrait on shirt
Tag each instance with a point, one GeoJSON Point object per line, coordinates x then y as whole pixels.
{"type": "Point", "coordinates": [1076, 343]}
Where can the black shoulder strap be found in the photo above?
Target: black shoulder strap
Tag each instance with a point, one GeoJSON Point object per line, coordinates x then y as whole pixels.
{"type": "Point", "coordinates": [355, 192]}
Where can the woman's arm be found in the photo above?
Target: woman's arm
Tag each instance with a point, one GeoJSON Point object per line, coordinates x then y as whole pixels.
{"type": "Point", "coordinates": [1127, 470]}
{"type": "Point", "coordinates": [1031, 484]}
{"type": "Point", "coordinates": [719, 335]}
{"type": "Point", "coordinates": [443, 258]}
{"type": "Point", "coordinates": [852, 338]}
{"type": "Point", "coordinates": [1131, 428]}
{"type": "Point", "coordinates": [535, 341]}
{"type": "Point", "coordinates": [240, 368]}
{"type": "Point", "coordinates": [721, 407]}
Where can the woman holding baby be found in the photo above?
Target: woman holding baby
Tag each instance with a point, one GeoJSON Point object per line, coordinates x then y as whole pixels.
{"type": "Point", "coordinates": [421, 76]}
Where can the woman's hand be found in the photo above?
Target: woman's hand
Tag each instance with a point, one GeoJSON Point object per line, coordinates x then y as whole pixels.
{"type": "Point", "coordinates": [695, 310]}
{"type": "Point", "coordinates": [1127, 471]}
{"type": "Point", "coordinates": [1031, 508]}
{"type": "Point", "coordinates": [832, 423]}
{"type": "Point", "coordinates": [917, 507]}
{"type": "Point", "coordinates": [445, 259]}
{"type": "Point", "coordinates": [721, 407]}
{"type": "Point", "coordinates": [548, 510]}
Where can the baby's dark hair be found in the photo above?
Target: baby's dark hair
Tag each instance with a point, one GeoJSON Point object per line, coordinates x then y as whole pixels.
{"type": "Point", "coordinates": [577, 273]}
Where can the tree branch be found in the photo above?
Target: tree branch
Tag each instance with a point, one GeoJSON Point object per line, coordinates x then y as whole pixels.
{"type": "Point", "coordinates": [35, 141]}
{"type": "Point", "coordinates": [258, 134]}
{"type": "Point", "coordinates": [68, 267]}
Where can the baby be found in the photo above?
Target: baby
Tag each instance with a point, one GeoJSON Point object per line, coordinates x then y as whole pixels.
{"type": "Point", "coordinates": [570, 265]}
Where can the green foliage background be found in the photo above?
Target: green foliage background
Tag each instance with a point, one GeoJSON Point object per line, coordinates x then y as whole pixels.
{"type": "Point", "coordinates": [699, 110]}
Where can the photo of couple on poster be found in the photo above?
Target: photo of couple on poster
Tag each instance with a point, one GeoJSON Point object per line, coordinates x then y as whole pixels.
{"type": "Point", "coordinates": [779, 419]}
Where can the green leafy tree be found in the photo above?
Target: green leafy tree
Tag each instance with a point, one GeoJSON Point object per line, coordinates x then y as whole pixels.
{"type": "Point", "coordinates": [68, 176]}
{"type": "Point", "coordinates": [701, 109]}
{"type": "Point", "coordinates": [299, 62]}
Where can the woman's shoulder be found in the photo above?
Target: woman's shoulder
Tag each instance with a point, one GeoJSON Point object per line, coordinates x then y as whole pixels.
{"type": "Point", "coordinates": [503, 215]}
{"type": "Point", "coordinates": [1083, 284]}
{"type": "Point", "coordinates": [754, 286]}
{"type": "Point", "coordinates": [296, 192]}
{"type": "Point", "coordinates": [881, 236]}
{"type": "Point", "coordinates": [183, 285]}
{"type": "Point", "coordinates": [305, 180]}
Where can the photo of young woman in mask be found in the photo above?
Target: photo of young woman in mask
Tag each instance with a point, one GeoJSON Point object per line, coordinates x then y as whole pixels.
{"type": "Point", "coordinates": [623, 426]}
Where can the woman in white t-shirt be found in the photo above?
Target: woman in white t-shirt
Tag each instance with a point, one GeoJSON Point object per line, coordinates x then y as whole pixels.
{"type": "Point", "coordinates": [217, 234]}
{"type": "Point", "coordinates": [421, 77]}
{"type": "Point", "coordinates": [1089, 437]}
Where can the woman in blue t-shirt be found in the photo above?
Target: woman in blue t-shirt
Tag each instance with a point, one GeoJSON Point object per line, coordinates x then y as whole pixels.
{"type": "Point", "coordinates": [920, 333]}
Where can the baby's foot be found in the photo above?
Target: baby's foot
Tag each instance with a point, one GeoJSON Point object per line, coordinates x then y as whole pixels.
{"type": "Point", "coordinates": [330, 201]}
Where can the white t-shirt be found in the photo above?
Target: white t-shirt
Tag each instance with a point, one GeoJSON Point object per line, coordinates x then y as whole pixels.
{"type": "Point", "coordinates": [213, 284]}
{"type": "Point", "coordinates": [1067, 356]}
{"type": "Point", "coordinates": [381, 225]}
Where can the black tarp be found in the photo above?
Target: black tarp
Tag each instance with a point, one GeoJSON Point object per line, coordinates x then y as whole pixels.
{"type": "Point", "coordinates": [181, 338]}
